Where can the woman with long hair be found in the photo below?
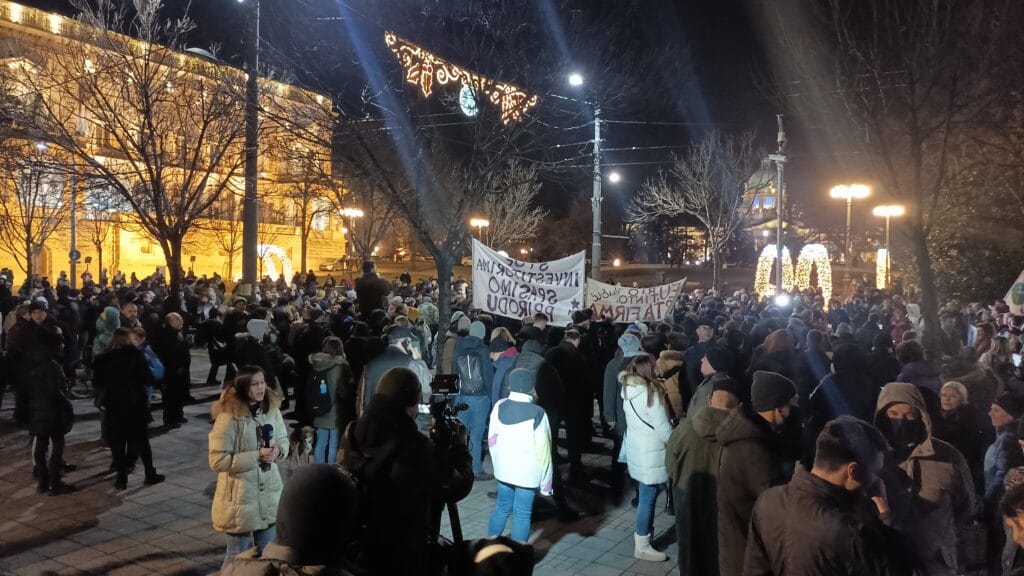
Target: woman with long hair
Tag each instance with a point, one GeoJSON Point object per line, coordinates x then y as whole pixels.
{"type": "Point", "coordinates": [248, 438]}
{"type": "Point", "coordinates": [331, 372]}
{"type": "Point", "coordinates": [123, 374]}
{"type": "Point", "coordinates": [643, 447]}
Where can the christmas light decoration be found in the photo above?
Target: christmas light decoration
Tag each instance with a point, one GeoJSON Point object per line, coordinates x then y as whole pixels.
{"type": "Point", "coordinates": [423, 69]}
{"type": "Point", "coordinates": [813, 255]}
{"type": "Point", "coordinates": [765, 267]}
{"type": "Point", "coordinates": [266, 251]}
{"type": "Point", "coordinates": [882, 269]}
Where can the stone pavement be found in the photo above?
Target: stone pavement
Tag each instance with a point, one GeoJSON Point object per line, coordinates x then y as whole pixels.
{"type": "Point", "coordinates": [165, 529]}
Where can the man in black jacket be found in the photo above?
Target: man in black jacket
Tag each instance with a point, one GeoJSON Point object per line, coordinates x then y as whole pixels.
{"type": "Point", "coordinates": [371, 291]}
{"type": "Point", "coordinates": [172, 348]}
{"type": "Point", "coordinates": [831, 520]}
{"type": "Point", "coordinates": [572, 368]}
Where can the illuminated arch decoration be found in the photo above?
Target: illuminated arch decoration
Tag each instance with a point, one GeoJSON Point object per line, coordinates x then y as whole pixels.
{"type": "Point", "coordinates": [423, 69]}
{"type": "Point", "coordinates": [813, 255]}
{"type": "Point", "coordinates": [267, 253]}
{"type": "Point", "coordinates": [882, 269]}
{"type": "Point", "coordinates": [766, 267]}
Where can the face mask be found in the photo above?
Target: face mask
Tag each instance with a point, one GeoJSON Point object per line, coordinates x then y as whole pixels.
{"type": "Point", "coordinates": [905, 434]}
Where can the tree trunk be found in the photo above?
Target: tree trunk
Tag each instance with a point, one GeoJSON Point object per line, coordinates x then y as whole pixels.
{"type": "Point", "coordinates": [444, 290]}
{"type": "Point", "coordinates": [172, 254]}
{"type": "Point", "coordinates": [302, 247]}
{"type": "Point", "coordinates": [231, 266]}
{"type": "Point", "coordinates": [30, 262]}
{"type": "Point", "coordinates": [99, 261]}
{"type": "Point", "coordinates": [715, 271]}
{"type": "Point", "coordinates": [929, 297]}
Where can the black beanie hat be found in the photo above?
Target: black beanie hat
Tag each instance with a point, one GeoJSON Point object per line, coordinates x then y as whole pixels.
{"type": "Point", "coordinates": [729, 385]}
{"type": "Point", "coordinates": [1009, 402]}
{"type": "Point", "coordinates": [400, 384]}
{"type": "Point", "coordinates": [317, 505]}
{"type": "Point", "coordinates": [770, 391]}
{"type": "Point", "coordinates": [719, 357]}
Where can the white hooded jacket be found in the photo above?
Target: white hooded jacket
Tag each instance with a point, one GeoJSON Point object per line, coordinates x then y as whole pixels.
{"type": "Point", "coordinates": [520, 443]}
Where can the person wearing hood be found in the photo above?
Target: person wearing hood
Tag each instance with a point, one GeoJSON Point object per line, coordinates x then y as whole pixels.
{"type": "Point", "coordinates": [829, 520]}
{"type": "Point", "coordinates": [108, 321]}
{"type": "Point", "coordinates": [753, 460]}
{"type": "Point", "coordinates": [713, 366]}
{"type": "Point", "coordinates": [629, 344]}
{"type": "Point", "coordinates": [473, 365]}
{"type": "Point", "coordinates": [692, 457]}
{"type": "Point", "coordinates": [520, 446]}
{"type": "Point", "coordinates": [250, 350]}
{"type": "Point", "coordinates": [406, 477]}
{"type": "Point", "coordinates": [503, 352]}
{"type": "Point", "coordinates": [927, 480]}
{"type": "Point", "coordinates": [571, 366]}
{"type": "Point", "coordinates": [643, 447]}
{"type": "Point", "coordinates": [330, 369]}
{"type": "Point", "coordinates": [248, 481]}
{"type": "Point", "coordinates": [173, 350]}
{"type": "Point", "coordinates": [316, 511]}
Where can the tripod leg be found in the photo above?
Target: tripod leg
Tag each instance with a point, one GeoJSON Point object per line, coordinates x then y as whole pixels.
{"type": "Point", "coordinates": [453, 517]}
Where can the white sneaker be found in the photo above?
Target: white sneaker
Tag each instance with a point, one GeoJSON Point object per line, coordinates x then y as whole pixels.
{"type": "Point", "coordinates": [642, 549]}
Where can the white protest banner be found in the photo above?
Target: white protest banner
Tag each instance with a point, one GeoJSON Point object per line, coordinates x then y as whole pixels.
{"type": "Point", "coordinates": [1015, 297]}
{"type": "Point", "coordinates": [625, 305]}
{"type": "Point", "coordinates": [514, 289]}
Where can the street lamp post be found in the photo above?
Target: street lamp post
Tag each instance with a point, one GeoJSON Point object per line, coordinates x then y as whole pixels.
{"type": "Point", "coordinates": [250, 204]}
{"type": "Point", "coordinates": [888, 212]}
{"type": "Point", "coordinates": [849, 193]}
{"type": "Point", "coordinates": [479, 224]}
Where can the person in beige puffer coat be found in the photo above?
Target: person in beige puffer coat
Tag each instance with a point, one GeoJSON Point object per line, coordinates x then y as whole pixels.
{"type": "Point", "coordinates": [248, 481]}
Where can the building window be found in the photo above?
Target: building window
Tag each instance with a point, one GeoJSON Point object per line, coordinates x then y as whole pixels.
{"type": "Point", "coordinates": [321, 214]}
{"type": "Point", "coordinates": [769, 202]}
{"type": "Point", "coordinates": [756, 204]}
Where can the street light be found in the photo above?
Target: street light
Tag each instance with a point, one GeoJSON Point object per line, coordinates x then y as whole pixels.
{"type": "Point", "coordinates": [849, 193]}
{"type": "Point", "coordinates": [576, 79]}
{"type": "Point", "coordinates": [615, 177]}
{"type": "Point", "coordinates": [888, 211]}
{"type": "Point", "coordinates": [479, 224]}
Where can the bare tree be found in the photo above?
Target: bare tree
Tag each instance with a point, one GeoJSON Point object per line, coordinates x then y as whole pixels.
{"type": "Point", "coordinates": [511, 205]}
{"type": "Point", "coordinates": [162, 129]}
{"type": "Point", "coordinates": [909, 81]}
{"type": "Point", "coordinates": [707, 182]}
{"type": "Point", "coordinates": [34, 200]}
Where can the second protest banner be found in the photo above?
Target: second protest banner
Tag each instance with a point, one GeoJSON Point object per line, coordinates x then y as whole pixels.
{"type": "Point", "coordinates": [515, 289]}
{"type": "Point", "coordinates": [623, 304]}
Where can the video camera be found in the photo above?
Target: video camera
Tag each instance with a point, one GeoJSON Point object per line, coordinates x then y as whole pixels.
{"type": "Point", "coordinates": [445, 412]}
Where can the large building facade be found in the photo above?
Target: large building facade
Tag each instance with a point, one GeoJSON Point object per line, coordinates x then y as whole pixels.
{"type": "Point", "coordinates": [299, 197]}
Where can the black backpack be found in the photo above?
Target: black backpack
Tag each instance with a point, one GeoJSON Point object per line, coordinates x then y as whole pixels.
{"type": "Point", "coordinates": [471, 375]}
{"type": "Point", "coordinates": [317, 393]}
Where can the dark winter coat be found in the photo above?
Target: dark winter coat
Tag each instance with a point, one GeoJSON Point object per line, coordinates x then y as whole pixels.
{"type": "Point", "coordinates": [751, 463]}
{"type": "Point", "coordinates": [251, 352]}
{"type": "Point", "coordinates": [791, 365]}
{"type": "Point", "coordinates": [692, 457]}
{"type": "Point", "coordinates": [571, 367]}
{"type": "Point", "coordinates": [49, 411]}
{"type": "Point", "coordinates": [473, 346]}
{"type": "Point", "coordinates": [404, 490]}
{"type": "Point", "coordinates": [967, 431]}
{"type": "Point", "coordinates": [692, 361]}
{"type": "Point", "coordinates": [842, 394]}
{"type": "Point", "coordinates": [811, 527]}
{"type": "Point", "coordinates": [371, 293]}
{"type": "Point", "coordinates": [393, 357]}
{"type": "Point", "coordinates": [547, 384]}
{"type": "Point", "coordinates": [340, 387]}
{"type": "Point", "coordinates": [923, 374]}
{"type": "Point", "coordinates": [172, 348]}
{"type": "Point", "coordinates": [123, 374]}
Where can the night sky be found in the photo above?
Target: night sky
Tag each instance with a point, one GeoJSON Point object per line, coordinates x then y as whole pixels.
{"type": "Point", "coordinates": [705, 64]}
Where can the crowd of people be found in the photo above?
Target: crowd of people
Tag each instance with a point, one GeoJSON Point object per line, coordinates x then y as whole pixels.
{"type": "Point", "coordinates": [805, 437]}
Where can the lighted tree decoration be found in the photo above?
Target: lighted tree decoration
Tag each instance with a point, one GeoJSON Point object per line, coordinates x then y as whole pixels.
{"type": "Point", "coordinates": [424, 69]}
{"type": "Point", "coordinates": [814, 255]}
{"type": "Point", "coordinates": [765, 267]}
{"type": "Point", "coordinates": [882, 269]}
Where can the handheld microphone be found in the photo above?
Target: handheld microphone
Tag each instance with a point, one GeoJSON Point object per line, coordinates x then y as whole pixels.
{"type": "Point", "coordinates": [267, 433]}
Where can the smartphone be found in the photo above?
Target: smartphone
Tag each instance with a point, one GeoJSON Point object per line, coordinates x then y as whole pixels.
{"type": "Point", "coordinates": [1016, 360]}
{"type": "Point", "coordinates": [423, 408]}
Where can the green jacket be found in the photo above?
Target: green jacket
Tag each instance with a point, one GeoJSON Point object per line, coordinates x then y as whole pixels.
{"type": "Point", "coordinates": [692, 459]}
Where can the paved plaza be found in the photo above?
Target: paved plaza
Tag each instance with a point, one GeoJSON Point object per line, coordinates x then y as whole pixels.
{"type": "Point", "coordinates": [165, 529]}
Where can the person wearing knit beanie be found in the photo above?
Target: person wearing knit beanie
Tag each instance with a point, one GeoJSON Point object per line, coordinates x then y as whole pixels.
{"type": "Point", "coordinates": [401, 386]}
{"type": "Point", "coordinates": [478, 329]}
{"type": "Point", "coordinates": [771, 391]}
{"type": "Point", "coordinates": [1009, 403]}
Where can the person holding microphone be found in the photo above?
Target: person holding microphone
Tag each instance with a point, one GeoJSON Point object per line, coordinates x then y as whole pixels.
{"type": "Point", "coordinates": [248, 438]}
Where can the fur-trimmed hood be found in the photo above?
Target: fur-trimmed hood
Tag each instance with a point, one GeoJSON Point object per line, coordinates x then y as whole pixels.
{"type": "Point", "coordinates": [321, 361]}
{"type": "Point", "coordinates": [229, 403]}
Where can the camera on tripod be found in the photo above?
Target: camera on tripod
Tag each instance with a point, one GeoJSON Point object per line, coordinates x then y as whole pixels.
{"type": "Point", "coordinates": [445, 412]}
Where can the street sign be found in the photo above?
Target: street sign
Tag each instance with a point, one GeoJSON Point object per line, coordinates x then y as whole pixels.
{"type": "Point", "coordinates": [75, 255]}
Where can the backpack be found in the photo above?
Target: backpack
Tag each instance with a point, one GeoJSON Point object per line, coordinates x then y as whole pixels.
{"type": "Point", "coordinates": [471, 375]}
{"type": "Point", "coordinates": [317, 393]}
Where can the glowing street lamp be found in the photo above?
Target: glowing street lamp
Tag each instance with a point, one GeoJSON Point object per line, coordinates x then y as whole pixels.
{"type": "Point", "coordinates": [576, 79]}
{"type": "Point", "coordinates": [479, 224]}
{"type": "Point", "coordinates": [352, 213]}
{"type": "Point", "coordinates": [888, 212]}
{"type": "Point", "coordinates": [615, 177]}
{"type": "Point", "coordinates": [849, 193]}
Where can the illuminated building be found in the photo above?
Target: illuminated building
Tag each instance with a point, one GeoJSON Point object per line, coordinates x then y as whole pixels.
{"type": "Point", "coordinates": [35, 40]}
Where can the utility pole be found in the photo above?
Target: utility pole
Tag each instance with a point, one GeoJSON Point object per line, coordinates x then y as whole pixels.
{"type": "Point", "coordinates": [780, 160]}
{"type": "Point", "coordinates": [73, 253]}
{"type": "Point", "coordinates": [250, 203]}
{"type": "Point", "coordinates": [595, 251]}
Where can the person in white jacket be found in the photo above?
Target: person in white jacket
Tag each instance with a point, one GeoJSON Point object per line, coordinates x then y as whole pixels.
{"type": "Point", "coordinates": [520, 448]}
{"type": "Point", "coordinates": [643, 448]}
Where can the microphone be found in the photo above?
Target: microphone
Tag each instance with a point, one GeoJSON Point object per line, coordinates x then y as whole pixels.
{"type": "Point", "coordinates": [267, 433]}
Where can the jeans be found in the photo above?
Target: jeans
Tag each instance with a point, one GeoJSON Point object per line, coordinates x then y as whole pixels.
{"type": "Point", "coordinates": [648, 497]}
{"type": "Point", "coordinates": [475, 421]}
{"type": "Point", "coordinates": [515, 501]}
{"type": "Point", "coordinates": [325, 450]}
{"type": "Point", "coordinates": [238, 543]}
